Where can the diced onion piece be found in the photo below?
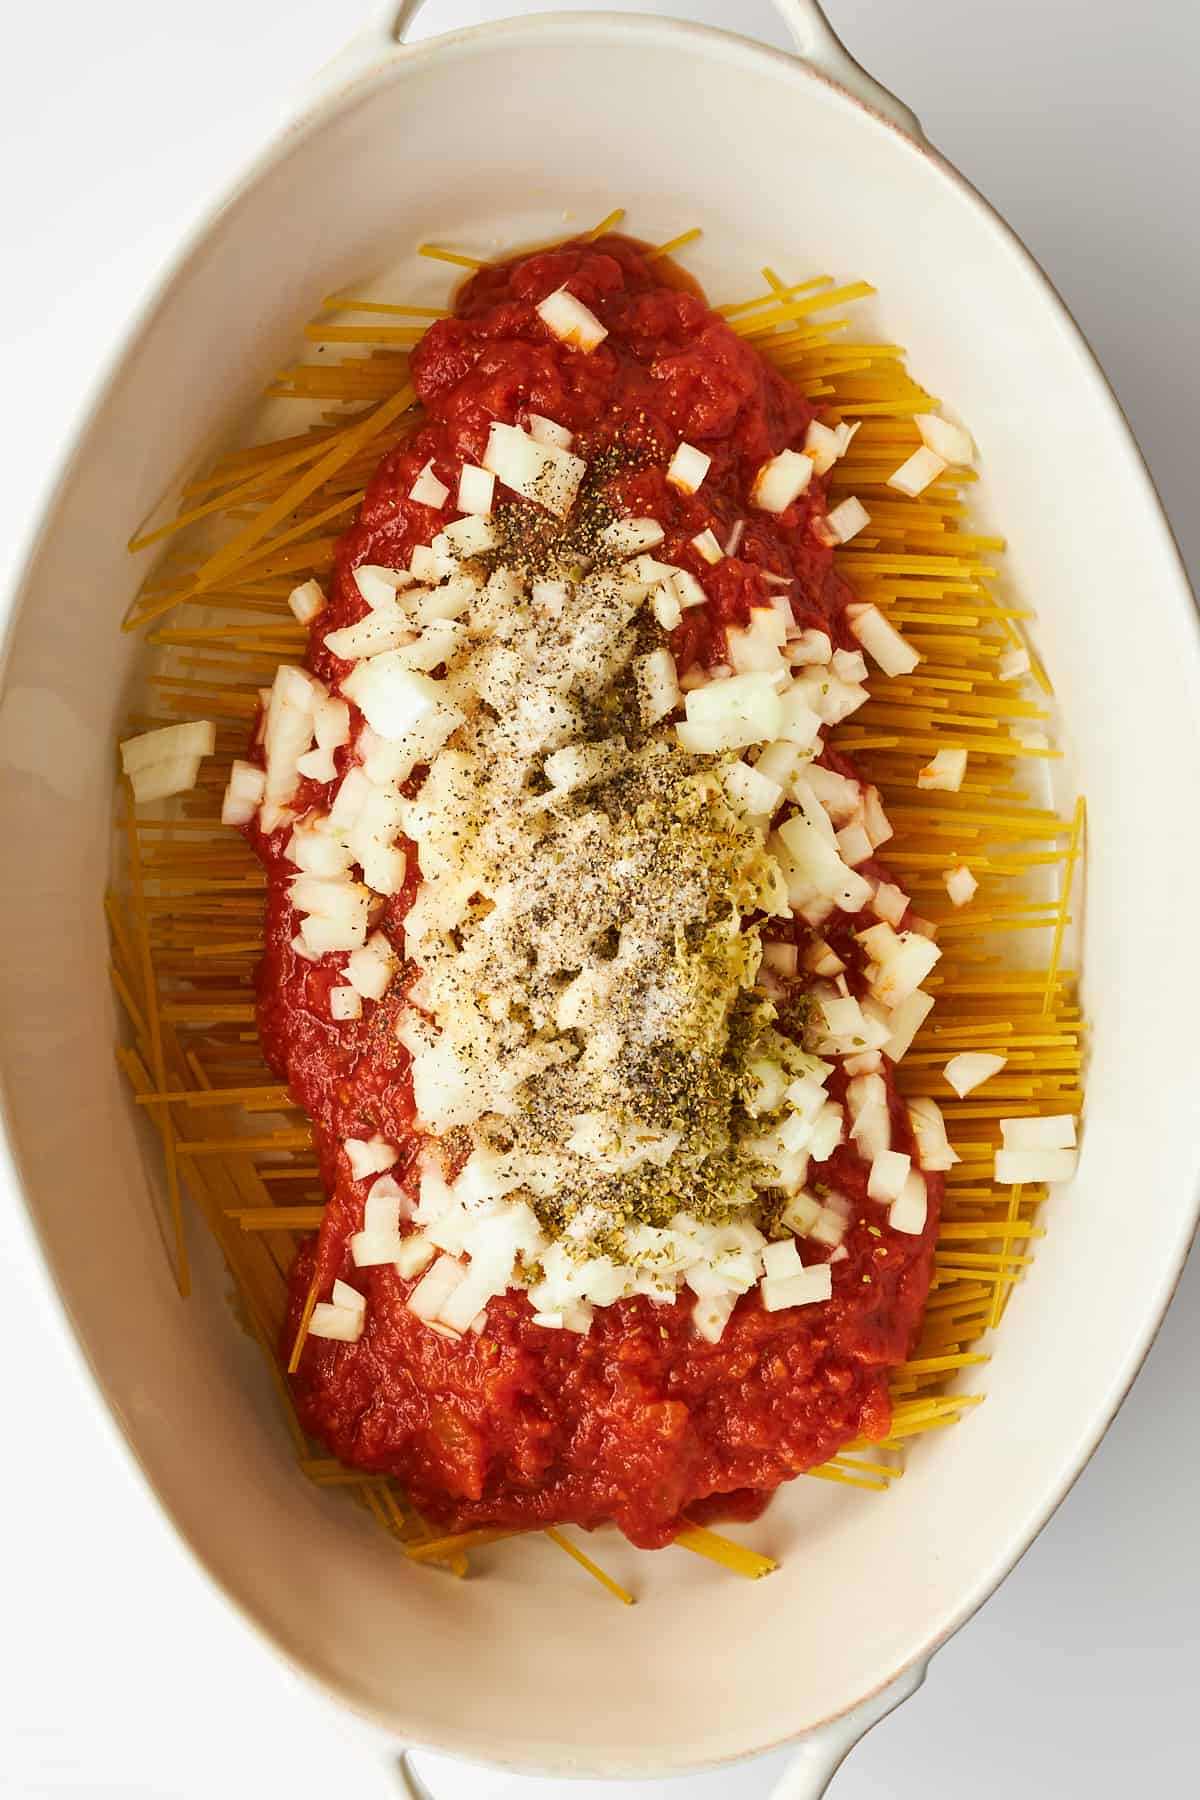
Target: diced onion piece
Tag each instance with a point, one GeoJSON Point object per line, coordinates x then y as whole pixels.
{"type": "Point", "coordinates": [243, 794]}
{"type": "Point", "coordinates": [906, 1020]}
{"type": "Point", "coordinates": [433, 1291]}
{"type": "Point", "coordinates": [427, 490]}
{"type": "Point", "coordinates": [728, 715]}
{"type": "Point", "coordinates": [880, 639]}
{"type": "Point", "coordinates": [944, 772]}
{"type": "Point", "coordinates": [757, 645]}
{"type": "Point", "coordinates": [540, 472]}
{"type": "Point", "coordinates": [929, 1129]}
{"type": "Point", "coordinates": [370, 1249]}
{"type": "Point", "coordinates": [687, 468]}
{"type": "Point", "coordinates": [470, 536]}
{"type": "Point", "coordinates": [854, 845]}
{"type": "Point", "coordinates": [317, 765]}
{"type": "Point", "coordinates": [664, 603]}
{"type": "Point", "coordinates": [808, 1288]}
{"type": "Point", "coordinates": [822, 959]}
{"type": "Point", "coordinates": [159, 780]}
{"type": "Point", "coordinates": [379, 585]}
{"type": "Point", "coordinates": [828, 1129]}
{"type": "Point", "coordinates": [915, 475]}
{"type": "Point", "coordinates": [570, 321]}
{"type": "Point", "coordinates": [393, 697]}
{"type": "Point", "coordinates": [865, 1064]}
{"type": "Point", "coordinates": [710, 1317]}
{"type": "Point", "coordinates": [344, 1003]}
{"type": "Point", "coordinates": [949, 442]}
{"type": "Point", "coordinates": [306, 601]}
{"type": "Point", "coordinates": [889, 902]}
{"type": "Point", "coordinates": [706, 545]}
{"type": "Point", "coordinates": [385, 1205]}
{"type": "Point", "coordinates": [1052, 1131]}
{"type": "Point", "coordinates": [849, 665]}
{"type": "Point", "coordinates": [1013, 664]}
{"type": "Point", "coordinates": [435, 606]}
{"type": "Point", "coordinates": [370, 969]}
{"type": "Point", "coordinates": [733, 542]}
{"type": "Point", "coordinates": [549, 1321]}
{"type": "Point", "coordinates": [687, 589]}
{"type": "Point", "coordinates": [549, 431]}
{"type": "Point", "coordinates": [910, 1210]}
{"type": "Point", "coordinates": [628, 536]}
{"type": "Point", "coordinates": [750, 793]}
{"type": "Point", "coordinates": [476, 490]}
{"type": "Point", "coordinates": [812, 646]}
{"type": "Point", "coordinates": [961, 885]}
{"type": "Point", "coordinates": [889, 1172]}
{"type": "Point", "coordinates": [657, 685]}
{"type": "Point", "coordinates": [905, 968]}
{"type": "Point", "coordinates": [781, 1259]}
{"type": "Point", "coordinates": [781, 480]}
{"type": "Point", "coordinates": [383, 629]}
{"type": "Point", "coordinates": [878, 826]}
{"type": "Point", "coordinates": [429, 564]}
{"type": "Point", "coordinates": [369, 1156]}
{"type": "Point", "coordinates": [415, 1253]}
{"type": "Point", "coordinates": [821, 444]}
{"type": "Point", "coordinates": [1022, 1166]}
{"type": "Point", "coordinates": [196, 738]}
{"type": "Point", "coordinates": [335, 1322]}
{"type": "Point", "coordinates": [846, 520]}
{"type": "Point", "coordinates": [783, 958]}
{"type": "Point", "coordinates": [971, 1069]}
{"type": "Point", "coordinates": [302, 950]}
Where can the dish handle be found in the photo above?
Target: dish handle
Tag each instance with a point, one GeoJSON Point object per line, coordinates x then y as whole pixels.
{"type": "Point", "coordinates": [817, 44]}
{"type": "Point", "coordinates": [815, 1761]}
{"type": "Point", "coordinates": [820, 1754]}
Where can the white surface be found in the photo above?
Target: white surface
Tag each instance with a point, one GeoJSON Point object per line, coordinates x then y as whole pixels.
{"type": "Point", "coordinates": [121, 1647]}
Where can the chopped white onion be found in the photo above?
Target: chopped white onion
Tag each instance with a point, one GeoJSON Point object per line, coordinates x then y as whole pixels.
{"type": "Point", "coordinates": [871, 1129]}
{"type": "Point", "coordinates": [369, 1156]}
{"type": "Point", "coordinates": [337, 1323]}
{"type": "Point", "coordinates": [317, 765]}
{"type": "Point", "coordinates": [664, 603]}
{"type": "Point", "coordinates": [971, 1069]}
{"type": "Point", "coordinates": [628, 536]}
{"type": "Point", "coordinates": [846, 520]}
{"type": "Point", "coordinates": [915, 475]}
{"type": "Point", "coordinates": [906, 1020]}
{"type": "Point", "coordinates": [688, 590]}
{"type": "Point", "coordinates": [1013, 664]}
{"type": "Point", "coordinates": [854, 845]}
{"type": "Point", "coordinates": [540, 472]}
{"type": "Point", "coordinates": [427, 490]}
{"type": "Point", "coordinates": [243, 794]}
{"type": "Point", "coordinates": [905, 968]}
{"type": "Point", "coordinates": [808, 1288]}
{"type": "Point", "coordinates": [749, 792]}
{"type": "Point", "coordinates": [1022, 1166]}
{"type": "Point", "coordinates": [944, 772]}
{"type": "Point", "coordinates": [687, 468]}
{"type": "Point", "coordinates": [378, 585]}
{"type": "Point", "coordinates": [849, 665]}
{"type": "Point", "coordinates": [657, 685]}
{"type": "Point", "coordinates": [728, 715]}
{"type": "Point", "coordinates": [306, 601]}
{"type": "Point", "coordinates": [880, 639]}
{"type": "Point", "coordinates": [812, 646]}
{"type": "Point", "coordinates": [344, 1003]}
{"type": "Point", "coordinates": [949, 442]}
{"type": "Point", "coordinates": [159, 780]}
{"type": "Point", "coordinates": [570, 321]}
{"type": "Point", "coordinates": [781, 480]}
{"type": "Point", "coordinates": [889, 1172]}
{"type": "Point", "coordinates": [415, 1253]}
{"type": "Point", "coordinates": [476, 490]}
{"type": "Point", "coordinates": [909, 1212]}
{"type": "Point", "coordinates": [197, 738]}
{"type": "Point", "coordinates": [471, 536]}
{"type": "Point", "coordinates": [385, 628]}
{"type": "Point", "coordinates": [1051, 1131]}
{"type": "Point", "coordinates": [828, 1130]}
{"type": "Point", "coordinates": [821, 444]}
{"type": "Point", "coordinates": [929, 1129]}
{"type": "Point", "coordinates": [393, 697]}
{"type": "Point", "coordinates": [549, 431]}
{"type": "Point", "coordinates": [370, 968]}
{"type": "Point", "coordinates": [707, 545]}
{"type": "Point", "coordinates": [434, 1290]}
{"type": "Point", "coordinates": [370, 1249]}
{"type": "Point", "coordinates": [710, 1317]}
{"type": "Point", "coordinates": [889, 902]}
{"type": "Point", "coordinates": [961, 885]}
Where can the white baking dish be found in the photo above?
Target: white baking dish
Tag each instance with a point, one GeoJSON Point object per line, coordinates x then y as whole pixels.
{"type": "Point", "coordinates": [800, 162]}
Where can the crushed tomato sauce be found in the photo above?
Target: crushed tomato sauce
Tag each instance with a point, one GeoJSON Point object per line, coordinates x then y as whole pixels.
{"type": "Point", "coordinates": [640, 1422]}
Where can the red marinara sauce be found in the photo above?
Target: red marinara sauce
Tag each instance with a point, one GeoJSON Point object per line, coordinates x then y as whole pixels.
{"type": "Point", "coordinates": [640, 1422]}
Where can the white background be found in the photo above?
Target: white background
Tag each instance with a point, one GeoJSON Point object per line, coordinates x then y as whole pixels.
{"type": "Point", "coordinates": [121, 1672]}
